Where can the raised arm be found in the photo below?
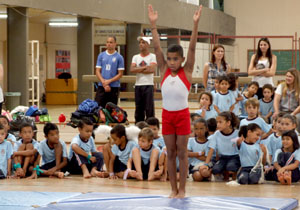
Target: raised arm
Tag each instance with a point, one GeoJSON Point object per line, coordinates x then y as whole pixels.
{"type": "Point", "coordinates": [190, 61]}
{"type": "Point", "coordinates": [161, 62]}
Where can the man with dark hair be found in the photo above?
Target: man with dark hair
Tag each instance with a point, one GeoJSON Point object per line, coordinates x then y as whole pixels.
{"type": "Point", "coordinates": [109, 70]}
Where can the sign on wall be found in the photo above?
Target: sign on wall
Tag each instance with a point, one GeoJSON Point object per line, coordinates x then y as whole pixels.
{"type": "Point", "coordinates": [62, 62]}
{"type": "Point", "coordinates": [102, 32]}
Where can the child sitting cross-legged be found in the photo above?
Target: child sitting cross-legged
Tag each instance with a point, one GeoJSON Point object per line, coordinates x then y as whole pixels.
{"type": "Point", "coordinates": [83, 156]}
{"type": "Point", "coordinates": [144, 157]}
{"type": "Point", "coordinates": [53, 152]}
{"type": "Point", "coordinates": [25, 151]}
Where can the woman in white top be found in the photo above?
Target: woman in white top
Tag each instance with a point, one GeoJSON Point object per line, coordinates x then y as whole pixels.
{"type": "Point", "coordinates": [287, 95]}
{"type": "Point", "coordinates": [263, 65]}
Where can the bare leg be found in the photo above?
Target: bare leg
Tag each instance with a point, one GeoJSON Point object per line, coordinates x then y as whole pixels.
{"type": "Point", "coordinates": [182, 153]}
{"type": "Point", "coordinates": [137, 161]}
{"type": "Point", "coordinates": [85, 171]}
{"type": "Point", "coordinates": [161, 162]}
{"type": "Point", "coordinates": [153, 162]}
{"type": "Point", "coordinates": [197, 176]}
{"type": "Point", "coordinates": [170, 141]}
{"type": "Point", "coordinates": [205, 173]}
{"type": "Point", "coordinates": [107, 154]}
{"type": "Point", "coordinates": [288, 177]}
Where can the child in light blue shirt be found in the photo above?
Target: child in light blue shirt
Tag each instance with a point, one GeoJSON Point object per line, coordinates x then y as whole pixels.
{"type": "Point", "coordinates": [5, 154]}
{"type": "Point", "coordinates": [266, 108]}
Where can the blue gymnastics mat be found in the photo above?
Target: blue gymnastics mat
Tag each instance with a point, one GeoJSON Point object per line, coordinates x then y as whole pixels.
{"type": "Point", "coordinates": [78, 201]}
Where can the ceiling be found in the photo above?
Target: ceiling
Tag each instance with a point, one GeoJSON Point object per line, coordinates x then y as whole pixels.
{"type": "Point", "coordinates": [44, 16]}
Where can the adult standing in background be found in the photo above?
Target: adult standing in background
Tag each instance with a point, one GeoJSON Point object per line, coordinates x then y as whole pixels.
{"type": "Point", "coordinates": [109, 70]}
{"type": "Point", "coordinates": [287, 95]}
{"type": "Point", "coordinates": [144, 65]}
{"type": "Point", "coordinates": [1, 92]}
{"type": "Point", "coordinates": [263, 65]}
{"type": "Point", "coordinates": [216, 67]}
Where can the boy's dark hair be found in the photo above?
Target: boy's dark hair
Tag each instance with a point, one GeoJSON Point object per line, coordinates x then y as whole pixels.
{"type": "Point", "coordinates": [208, 94]}
{"type": "Point", "coordinates": [212, 124]}
{"type": "Point", "coordinates": [294, 137]}
{"type": "Point", "coordinates": [85, 121]}
{"type": "Point", "coordinates": [245, 128]}
{"type": "Point", "coordinates": [253, 83]}
{"type": "Point", "coordinates": [232, 77]}
{"type": "Point", "coordinates": [193, 116]}
{"type": "Point", "coordinates": [24, 125]}
{"type": "Point", "coordinates": [146, 133]}
{"type": "Point", "coordinates": [268, 86]}
{"type": "Point", "coordinates": [4, 117]}
{"type": "Point", "coordinates": [223, 78]}
{"type": "Point", "coordinates": [153, 121]}
{"type": "Point", "coordinates": [49, 127]}
{"type": "Point", "coordinates": [141, 125]}
{"type": "Point", "coordinates": [229, 116]}
{"type": "Point", "coordinates": [119, 130]}
{"type": "Point", "coordinates": [175, 48]}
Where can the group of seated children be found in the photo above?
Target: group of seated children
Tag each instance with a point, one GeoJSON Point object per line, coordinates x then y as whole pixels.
{"type": "Point", "coordinates": [220, 147]}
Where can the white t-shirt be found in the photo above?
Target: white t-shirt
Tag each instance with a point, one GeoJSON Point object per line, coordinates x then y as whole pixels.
{"type": "Point", "coordinates": [261, 79]}
{"type": "Point", "coordinates": [139, 60]}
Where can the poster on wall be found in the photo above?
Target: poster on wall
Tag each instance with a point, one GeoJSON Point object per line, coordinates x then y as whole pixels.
{"type": "Point", "coordinates": [62, 62]}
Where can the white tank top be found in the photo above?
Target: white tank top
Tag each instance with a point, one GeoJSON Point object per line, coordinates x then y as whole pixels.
{"type": "Point", "coordinates": [263, 80]}
{"type": "Point", "coordinates": [175, 91]}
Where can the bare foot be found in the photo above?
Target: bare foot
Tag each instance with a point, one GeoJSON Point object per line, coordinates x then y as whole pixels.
{"type": "Point", "coordinates": [173, 194]}
{"type": "Point", "coordinates": [287, 177]}
{"type": "Point", "coordinates": [281, 179]}
{"type": "Point", "coordinates": [95, 173]}
{"type": "Point", "coordinates": [20, 173]}
{"type": "Point", "coordinates": [60, 175]}
{"type": "Point", "coordinates": [135, 174]}
{"type": "Point", "coordinates": [104, 174]}
{"type": "Point", "coordinates": [151, 176]}
{"type": "Point", "coordinates": [87, 175]}
{"type": "Point", "coordinates": [180, 194]}
{"type": "Point", "coordinates": [158, 173]}
{"type": "Point", "coordinates": [163, 178]}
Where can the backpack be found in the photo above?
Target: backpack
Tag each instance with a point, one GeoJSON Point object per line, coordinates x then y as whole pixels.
{"type": "Point", "coordinates": [31, 110]}
{"type": "Point", "coordinates": [116, 113]}
{"type": "Point", "coordinates": [88, 106]}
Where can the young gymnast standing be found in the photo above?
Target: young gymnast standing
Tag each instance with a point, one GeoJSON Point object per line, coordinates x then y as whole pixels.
{"type": "Point", "coordinates": [175, 86]}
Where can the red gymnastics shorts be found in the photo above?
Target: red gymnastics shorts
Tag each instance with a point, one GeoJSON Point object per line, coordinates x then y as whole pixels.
{"type": "Point", "coordinates": [176, 122]}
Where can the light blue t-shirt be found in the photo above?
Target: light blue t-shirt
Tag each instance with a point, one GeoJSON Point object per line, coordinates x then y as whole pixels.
{"type": "Point", "coordinates": [124, 153]}
{"type": "Point", "coordinates": [211, 113]}
{"type": "Point", "coordinates": [224, 101]}
{"type": "Point", "coordinates": [110, 64]}
{"type": "Point", "coordinates": [242, 105]}
{"type": "Point", "coordinates": [146, 154]}
{"type": "Point", "coordinates": [213, 93]}
{"type": "Point", "coordinates": [159, 142]}
{"type": "Point", "coordinates": [265, 107]}
{"type": "Point", "coordinates": [223, 144]}
{"type": "Point", "coordinates": [195, 146]}
{"type": "Point", "coordinates": [258, 121]}
{"type": "Point", "coordinates": [236, 109]}
{"type": "Point", "coordinates": [274, 143]}
{"type": "Point", "coordinates": [88, 146]}
{"type": "Point", "coordinates": [48, 154]}
{"type": "Point", "coordinates": [249, 154]}
{"type": "Point", "coordinates": [20, 142]}
{"type": "Point", "coordinates": [12, 137]}
{"type": "Point", "coordinates": [6, 151]}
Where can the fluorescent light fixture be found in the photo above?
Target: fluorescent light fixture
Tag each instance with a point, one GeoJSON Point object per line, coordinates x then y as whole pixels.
{"type": "Point", "coordinates": [63, 24]}
{"type": "Point", "coordinates": [3, 15]}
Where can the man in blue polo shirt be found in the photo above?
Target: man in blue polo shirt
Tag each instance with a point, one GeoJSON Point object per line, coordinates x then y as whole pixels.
{"type": "Point", "coordinates": [109, 70]}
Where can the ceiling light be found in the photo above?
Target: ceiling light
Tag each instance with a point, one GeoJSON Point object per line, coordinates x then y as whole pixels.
{"type": "Point", "coordinates": [63, 24]}
{"type": "Point", "coordinates": [3, 15]}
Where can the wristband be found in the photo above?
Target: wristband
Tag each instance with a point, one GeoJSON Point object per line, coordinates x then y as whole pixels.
{"type": "Point", "coordinates": [206, 164]}
{"type": "Point", "coordinates": [16, 166]}
{"type": "Point", "coordinates": [111, 174]}
{"type": "Point", "coordinates": [89, 157]}
{"type": "Point", "coordinates": [38, 170]}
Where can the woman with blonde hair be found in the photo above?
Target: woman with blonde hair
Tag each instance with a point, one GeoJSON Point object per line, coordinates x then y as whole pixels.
{"type": "Point", "coordinates": [287, 95]}
{"type": "Point", "coordinates": [216, 67]}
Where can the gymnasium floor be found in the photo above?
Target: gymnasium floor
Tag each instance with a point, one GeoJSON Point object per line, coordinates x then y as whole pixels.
{"type": "Point", "coordinates": [78, 184]}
